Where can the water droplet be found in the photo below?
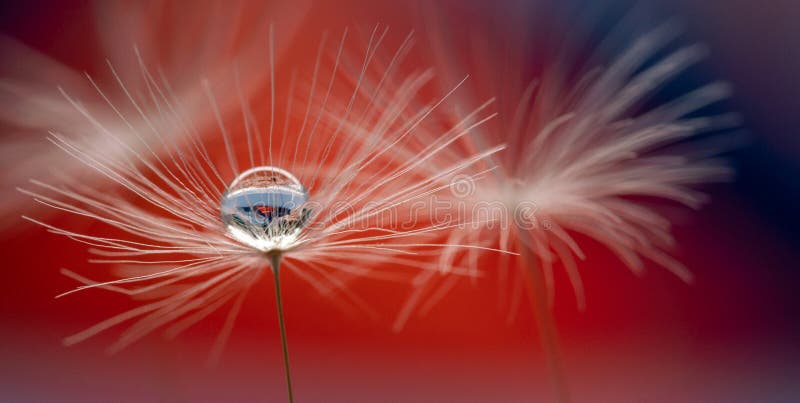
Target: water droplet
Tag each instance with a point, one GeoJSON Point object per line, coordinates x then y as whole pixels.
{"type": "Point", "coordinates": [265, 208]}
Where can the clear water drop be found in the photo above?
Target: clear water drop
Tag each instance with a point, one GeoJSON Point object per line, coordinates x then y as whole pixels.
{"type": "Point", "coordinates": [265, 208]}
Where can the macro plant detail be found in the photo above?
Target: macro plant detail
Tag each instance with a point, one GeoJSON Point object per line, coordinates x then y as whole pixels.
{"type": "Point", "coordinates": [585, 154]}
{"type": "Point", "coordinates": [128, 35]}
{"type": "Point", "coordinates": [494, 201]}
{"type": "Point", "coordinates": [190, 232]}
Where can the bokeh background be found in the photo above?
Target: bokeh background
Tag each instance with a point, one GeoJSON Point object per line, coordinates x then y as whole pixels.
{"type": "Point", "coordinates": [732, 336]}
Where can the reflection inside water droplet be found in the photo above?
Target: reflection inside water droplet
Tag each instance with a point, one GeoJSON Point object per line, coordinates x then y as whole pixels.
{"type": "Point", "coordinates": [265, 208]}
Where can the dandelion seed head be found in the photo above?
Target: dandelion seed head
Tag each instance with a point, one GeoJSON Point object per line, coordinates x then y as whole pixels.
{"type": "Point", "coordinates": [588, 144]}
{"type": "Point", "coordinates": [265, 208]}
{"type": "Point", "coordinates": [196, 222]}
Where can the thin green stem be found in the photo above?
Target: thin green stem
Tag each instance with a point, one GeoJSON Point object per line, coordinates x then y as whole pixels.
{"type": "Point", "coordinates": [275, 260]}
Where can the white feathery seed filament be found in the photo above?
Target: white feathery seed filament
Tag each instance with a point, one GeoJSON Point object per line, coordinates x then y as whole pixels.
{"type": "Point", "coordinates": [164, 221]}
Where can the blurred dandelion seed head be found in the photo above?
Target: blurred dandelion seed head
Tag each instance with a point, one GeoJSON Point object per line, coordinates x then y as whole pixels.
{"type": "Point", "coordinates": [586, 151]}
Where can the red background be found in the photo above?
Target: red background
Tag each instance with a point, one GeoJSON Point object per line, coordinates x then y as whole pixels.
{"type": "Point", "coordinates": [731, 336]}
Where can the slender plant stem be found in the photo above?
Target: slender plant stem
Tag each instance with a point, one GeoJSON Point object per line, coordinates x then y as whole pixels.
{"type": "Point", "coordinates": [275, 260]}
{"type": "Point", "coordinates": [546, 325]}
